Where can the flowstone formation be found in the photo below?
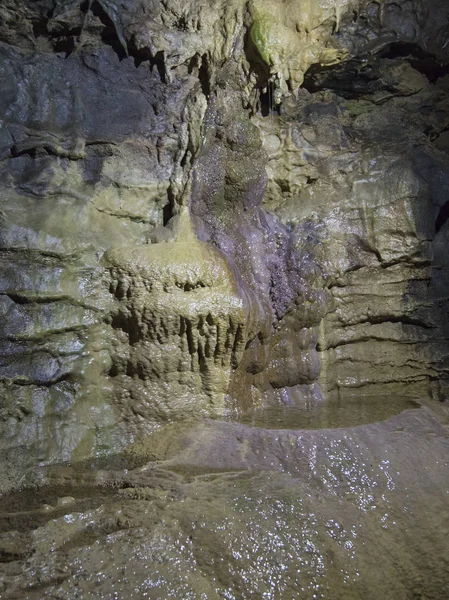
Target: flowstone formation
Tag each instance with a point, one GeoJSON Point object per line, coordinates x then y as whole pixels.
{"type": "Point", "coordinates": [215, 207]}
{"type": "Point", "coordinates": [224, 358]}
{"type": "Point", "coordinates": [181, 327]}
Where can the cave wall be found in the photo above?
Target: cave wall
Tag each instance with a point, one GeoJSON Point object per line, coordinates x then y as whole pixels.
{"type": "Point", "coordinates": [210, 206]}
{"type": "Point", "coordinates": [361, 171]}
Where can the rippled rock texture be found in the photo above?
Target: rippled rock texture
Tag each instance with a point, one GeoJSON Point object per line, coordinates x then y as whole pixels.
{"type": "Point", "coordinates": [215, 207]}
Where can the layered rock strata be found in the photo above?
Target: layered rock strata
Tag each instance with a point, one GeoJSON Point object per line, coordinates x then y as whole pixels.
{"type": "Point", "coordinates": [186, 232]}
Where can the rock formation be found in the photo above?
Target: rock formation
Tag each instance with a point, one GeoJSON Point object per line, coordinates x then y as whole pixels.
{"type": "Point", "coordinates": [213, 206]}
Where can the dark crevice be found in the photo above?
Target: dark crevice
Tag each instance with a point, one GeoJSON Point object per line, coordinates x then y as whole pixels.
{"type": "Point", "coordinates": [131, 218]}
{"type": "Point", "coordinates": [424, 62]}
{"type": "Point", "coordinates": [129, 325]}
{"type": "Point", "coordinates": [70, 36]}
{"type": "Point", "coordinates": [130, 371]}
{"type": "Point", "coordinates": [45, 383]}
{"type": "Point", "coordinates": [84, 6]}
{"type": "Point", "coordinates": [404, 319]}
{"type": "Point", "coordinates": [142, 55]}
{"type": "Point", "coordinates": [363, 340]}
{"type": "Point", "coordinates": [9, 556]}
{"type": "Point", "coordinates": [190, 340]}
{"type": "Point", "coordinates": [194, 64]}
{"type": "Point", "coordinates": [204, 76]}
{"type": "Point", "coordinates": [113, 371]}
{"type": "Point", "coordinates": [362, 76]}
{"type": "Point", "coordinates": [167, 212]}
{"type": "Point", "coordinates": [46, 149]}
{"type": "Point", "coordinates": [189, 287]}
{"type": "Point", "coordinates": [67, 45]}
{"type": "Point", "coordinates": [185, 158]}
{"type": "Point", "coordinates": [239, 337]}
{"type": "Point", "coordinates": [104, 143]}
{"type": "Point", "coordinates": [39, 254]}
{"type": "Point", "coordinates": [40, 27]}
{"type": "Point", "coordinates": [420, 263]}
{"type": "Point", "coordinates": [181, 24]}
{"type": "Point", "coordinates": [65, 36]}
{"type": "Point", "coordinates": [110, 34]}
{"type": "Point", "coordinates": [158, 62]}
{"type": "Point", "coordinates": [266, 96]}
{"type": "Point", "coordinates": [23, 299]}
{"type": "Point", "coordinates": [350, 80]}
{"type": "Point", "coordinates": [17, 298]}
{"type": "Point", "coordinates": [202, 361]}
{"type": "Point", "coordinates": [443, 216]}
{"type": "Point", "coordinates": [182, 327]}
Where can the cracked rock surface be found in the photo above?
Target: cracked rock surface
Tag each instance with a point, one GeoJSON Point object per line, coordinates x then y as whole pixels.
{"type": "Point", "coordinates": [361, 170]}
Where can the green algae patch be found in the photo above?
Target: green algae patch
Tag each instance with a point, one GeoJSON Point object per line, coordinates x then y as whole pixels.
{"type": "Point", "coordinates": [263, 38]}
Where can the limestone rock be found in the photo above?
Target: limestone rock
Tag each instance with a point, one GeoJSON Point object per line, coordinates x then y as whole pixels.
{"type": "Point", "coordinates": [213, 206]}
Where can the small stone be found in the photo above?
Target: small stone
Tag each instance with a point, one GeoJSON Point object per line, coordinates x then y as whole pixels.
{"type": "Point", "coordinates": [65, 500]}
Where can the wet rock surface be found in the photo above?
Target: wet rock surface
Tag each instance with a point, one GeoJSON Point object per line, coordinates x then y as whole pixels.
{"type": "Point", "coordinates": [222, 510]}
{"type": "Point", "coordinates": [155, 134]}
{"type": "Point", "coordinates": [223, 279]}
{"type": "Point", "coordinates": [351, 170]}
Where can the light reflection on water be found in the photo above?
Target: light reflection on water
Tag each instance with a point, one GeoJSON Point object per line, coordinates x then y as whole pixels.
{"type": "Point", "coordinates": [329, 414]}
{"type": "Point", "coordinates": [333, 514]}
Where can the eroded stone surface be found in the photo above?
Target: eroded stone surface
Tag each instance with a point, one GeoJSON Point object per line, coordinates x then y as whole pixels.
{"type": "Point", "coordinates": [361, 180]}
{"type": "Point", "coordinates": [184, 231]}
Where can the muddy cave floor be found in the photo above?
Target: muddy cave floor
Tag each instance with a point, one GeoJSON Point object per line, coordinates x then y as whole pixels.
{"type": "Point", "coordinates": [254, 509]}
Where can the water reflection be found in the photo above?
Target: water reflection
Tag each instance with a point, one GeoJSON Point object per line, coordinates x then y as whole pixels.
{"type": "Point", "coordinates": [331, 414]}
{"type": "Point", "coordinates": [220, 510]}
